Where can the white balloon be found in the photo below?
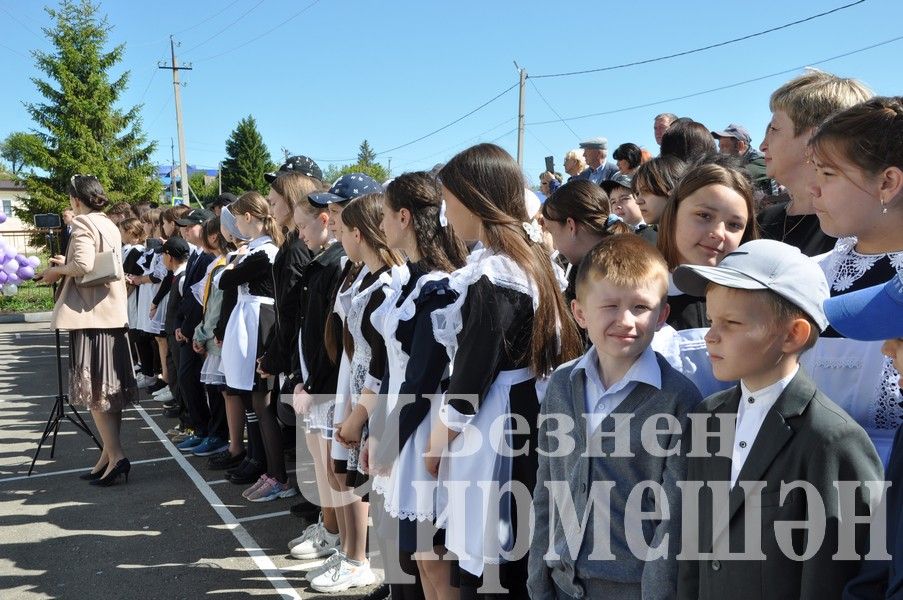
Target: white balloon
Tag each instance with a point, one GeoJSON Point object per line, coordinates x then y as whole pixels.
{"type": "Point", "coordinates": [11, 266]}
{"type": "Point", "coordinates": [10, 289]}
{"type": "Point", "coordinates": [34, 261]}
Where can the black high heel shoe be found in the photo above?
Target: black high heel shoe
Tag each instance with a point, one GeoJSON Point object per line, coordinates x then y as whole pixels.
{"type": "Point", "coordinates": [92, 475]}
{"type": "Point", "coordinates": [122, 468]}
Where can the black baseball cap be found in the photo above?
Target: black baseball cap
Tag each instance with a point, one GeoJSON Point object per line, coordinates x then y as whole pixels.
{"type": "Point", "coordinates": [297, 164]}
{"type": "Point", "coordinates": [347, 187]}
{"type": "Point", "coordinates": [195, 216]}
{"type": "Point", "coordinates": [224, 199]}
{"type": "Point", "coordinates": [176, 247]}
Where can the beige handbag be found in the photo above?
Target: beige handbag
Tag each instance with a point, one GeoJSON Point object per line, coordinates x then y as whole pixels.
{"type": "Point", "coordinates": [107, 266]}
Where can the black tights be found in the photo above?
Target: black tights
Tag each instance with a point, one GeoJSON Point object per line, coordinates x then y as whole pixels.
{"type": "Point", "coordinates": [258, 404]}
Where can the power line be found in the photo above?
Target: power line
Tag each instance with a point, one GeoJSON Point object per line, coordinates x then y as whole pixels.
{"type": "Point", "coordinates": [181, 31]}
{"type": "Point", "coordinates": [723, 87]}
{"type": "Point", "coordinates": [217, 34]}
{"type": "Point", "coordinates": [702, 49]}
{"type": "Point", "coordinates": [446, 126]}
{"type": "Point", "coordinates": [555, 112]}
{"type": "Point", "coordinates": [264, 34]}
{"type": "Point", "coordinates": [457, 145]}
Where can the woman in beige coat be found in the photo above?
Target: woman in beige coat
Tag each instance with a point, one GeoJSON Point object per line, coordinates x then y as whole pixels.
{"type": "Point", "coordinates": [101, 375]}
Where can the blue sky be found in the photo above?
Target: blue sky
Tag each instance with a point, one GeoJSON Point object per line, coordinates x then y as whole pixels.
{"type": "Point", "coordinates": [392, 71]}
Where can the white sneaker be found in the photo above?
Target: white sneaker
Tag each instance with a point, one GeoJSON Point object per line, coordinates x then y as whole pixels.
{"type": "Point", "coordinates": [164, 397]}
{"type": "Point", "coordinates": [319, 543]}
{"type": "Point", "coordinates": [306, 534]}
{"type": "Point", "coordinates": [343, 576]}
{"type": "Point", "coordinates": [144, 381]}
{"type": "Point", "coordinates": [334, 559]}
{"type": "Point", "coordinates": [163, 390]}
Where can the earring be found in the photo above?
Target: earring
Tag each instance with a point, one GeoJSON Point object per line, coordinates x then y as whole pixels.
{"type": "Point", "coordinates": [883, 207]}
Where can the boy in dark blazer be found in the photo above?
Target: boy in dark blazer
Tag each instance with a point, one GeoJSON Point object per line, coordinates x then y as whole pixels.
{"type": "Point", "coordinates": [873, 314]}
{"type": "Point", "coordinates": [610, 398]}
{"type": "Point", "coordinates": [775, 447]}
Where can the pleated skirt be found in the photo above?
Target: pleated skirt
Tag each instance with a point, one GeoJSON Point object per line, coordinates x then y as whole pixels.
{"type": "Point", "coordinates": [101, 375]}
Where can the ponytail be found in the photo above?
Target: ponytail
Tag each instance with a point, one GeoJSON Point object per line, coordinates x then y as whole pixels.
{"type": "Point", "coordinates": [273, 229]}
{"type": "Point", "coordinates": [254, 204]}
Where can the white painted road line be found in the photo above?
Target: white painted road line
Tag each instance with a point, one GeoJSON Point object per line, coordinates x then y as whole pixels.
{"type": "Point", "coordinates": [81, 470]}
{"type": "Point", "coordinates": [281, 513]}
{"type": "Point", "coordinates": [260, 558]}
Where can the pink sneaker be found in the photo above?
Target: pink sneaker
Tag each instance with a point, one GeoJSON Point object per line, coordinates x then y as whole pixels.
{"type": "Point", "coordinates": [263, 480]}
{"type": "Point", "coordinates": [272, 490]}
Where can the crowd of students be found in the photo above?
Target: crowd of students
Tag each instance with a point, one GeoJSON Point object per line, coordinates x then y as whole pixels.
{"type": "Point", "coordinates": [520, 396]}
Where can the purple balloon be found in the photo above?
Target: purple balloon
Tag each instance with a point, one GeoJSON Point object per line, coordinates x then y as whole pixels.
{"type": "Point", "coordinates": [25, 273]}
{"type": "Point", "coordinates": [11, 266]}
{"type": "Point", "coordinates": [13, 278]}
{"type": "Point", "coordinates": [3, 277]}
{"type": "Point", "coordinates": [21, 259]}
{"type": "Point", "coordinates": [2, 218]}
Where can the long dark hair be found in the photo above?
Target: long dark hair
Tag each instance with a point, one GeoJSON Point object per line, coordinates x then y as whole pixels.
{"type": "Point", "coordinates": [365, 213]}
{"type": "Point", "coordinates": [490, 184]}
{"type": "Point", "coordinates": [419, 193]}
{"type": "Point", "coordinates": [586, 203]}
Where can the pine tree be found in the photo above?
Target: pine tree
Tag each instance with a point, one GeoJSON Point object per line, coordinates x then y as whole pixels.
{"type": "Point", "coordinates": [80, 128]}
{"type": "Point", "coordinates": [247, 160]}
{"type": "Point", "coordinates": [365, 155]}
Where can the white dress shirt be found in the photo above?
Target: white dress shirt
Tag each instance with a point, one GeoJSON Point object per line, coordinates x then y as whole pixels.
{"type": "Point", "coordinates": [599, 402]}
{"type": "Point", "coordinates": [750, 416]}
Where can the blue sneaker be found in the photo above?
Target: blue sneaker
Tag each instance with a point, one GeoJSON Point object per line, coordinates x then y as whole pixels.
{"type": "Point", "coordinates": [211, 445]}
{"type": "Point", "coordinates": [190, 443]}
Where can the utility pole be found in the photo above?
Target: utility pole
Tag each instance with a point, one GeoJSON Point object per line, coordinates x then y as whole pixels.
{"type": "Point", "coordinates": [390, 167]}
{"type": "Point", "coordinates": [520, 116]}
{"type": "Point", "coordinates": [219, 177]}
{"type": "Point", "coordinates": [172, 168]}
{"type": "Point", "coordinates": [183, 159]}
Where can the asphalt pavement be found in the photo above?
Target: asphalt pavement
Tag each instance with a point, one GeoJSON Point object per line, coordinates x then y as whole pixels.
{"type": "Point", "coordinates": [175, 530]}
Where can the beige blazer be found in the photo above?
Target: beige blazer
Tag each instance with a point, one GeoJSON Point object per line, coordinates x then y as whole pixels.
{"type": "Point", "coordinates": [98, 307]}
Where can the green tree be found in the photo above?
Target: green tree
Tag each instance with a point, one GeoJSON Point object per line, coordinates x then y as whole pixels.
{"type": "Point", "coordinates": [365, 155]}
{"type": "Point", "coordinates": [20, 150]}
{"type": "Point", "coordinates": [366, 163]}
{"type": "Point", "coordinates": [247, 160]}
{"type": "Point", "coordinates": [204, 190]}
{"type": "Point", "coordinates": [80, 127]}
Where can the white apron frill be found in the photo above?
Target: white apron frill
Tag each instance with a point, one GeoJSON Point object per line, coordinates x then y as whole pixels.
{"type": "Point", "coordinates": [473, 532]}
{"type": "Point", "coordinates": [401, 498]}
{"type": "Point", "coordinates": [343, 385]}
{"type": "Point", "coordinates": [239, 351]}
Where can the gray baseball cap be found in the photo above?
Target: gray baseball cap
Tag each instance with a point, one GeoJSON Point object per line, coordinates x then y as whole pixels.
{"type": "Point", "coordinates": [764, 265]}
{"type": "Point", "coordinates": [735, 131]}
{"type": "Point", "coordinates": [596, 143]}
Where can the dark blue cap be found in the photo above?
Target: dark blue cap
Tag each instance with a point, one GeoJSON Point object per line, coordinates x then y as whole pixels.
{"type": "Point", "coordinates": [871, 314]}
{"type": "Point", "coordinates": [347, 187]}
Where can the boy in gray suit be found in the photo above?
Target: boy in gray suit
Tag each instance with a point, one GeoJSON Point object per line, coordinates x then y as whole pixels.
{"type": "Point", "coordinates": [606, 501]}
{"type": "Point", "coordinates": [784, 470]}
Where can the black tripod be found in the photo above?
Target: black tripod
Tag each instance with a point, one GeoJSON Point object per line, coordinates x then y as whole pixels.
{"type": "Point", "coordinates": [58, 412]}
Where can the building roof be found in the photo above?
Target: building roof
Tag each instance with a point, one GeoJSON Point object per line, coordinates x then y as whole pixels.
{"type": "Point", "coordinates": [10, 185]}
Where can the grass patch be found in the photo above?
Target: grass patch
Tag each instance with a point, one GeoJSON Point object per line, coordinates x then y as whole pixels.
{"type": "Point", "coordinates": [31, 298]}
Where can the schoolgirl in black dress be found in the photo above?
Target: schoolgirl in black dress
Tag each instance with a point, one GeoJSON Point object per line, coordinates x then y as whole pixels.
{"type": "Point", "coordinates": [250, 323]}
{"type": "Point", "coordinates": [710, 213]}
{"type": "Point", "coordinates": [506, 329]}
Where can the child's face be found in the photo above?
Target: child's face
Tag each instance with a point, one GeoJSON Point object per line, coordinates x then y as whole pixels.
{"type": "Point", "coordinates": [564, 238]}
{"type": "Point", "coordinates": [744, 342]}
{"type": "Point", "coordinates": [312, 228]}
{"type": "Point", "coordinates": [651, 206]}
{"type": "Point", "coordinates": [335, 220]}
{"type": "Point", "coordinates": [893, 349]}
{"type": "Point", "coordinates": [394, 225]}
{"type": "Point", "coordinates": [465, 222]}
{"type": "Point", "coordinates": [845, 198]}
{"type": "Point", "coordinates": [351, 242]}
{"type": "Point", "coordinates": [620, 321]}
{"type": "Point", "coordinates": [623, 204]}
{"type": "Point", "coordinates": [169, 228]}
{"type": "Point", "coordinates": [279, 208]}
{"type": "Point", "coordinates": [148, 228]}
{"type": "Point", "coordinates": [785, 153]}
{"type": "Point", "coordinates": [709, 224]}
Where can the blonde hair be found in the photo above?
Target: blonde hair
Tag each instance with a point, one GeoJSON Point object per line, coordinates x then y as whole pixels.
{"type": "Point", "coordinates": [626, 261]}
{"type": "Point", "coordinates": [252, 203]}
{"type": "Point", "coordinates": [577, 155]}
{"type": "Point", "coordinates": [810, 98]}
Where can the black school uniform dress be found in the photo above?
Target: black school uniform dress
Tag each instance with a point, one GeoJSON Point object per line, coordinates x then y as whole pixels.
{"type": "Point", "coordinates": [487, 333]}
{"type": "Point", "coordinates": [802, 231]}
{"type": "Point", "coordinates": [311, 365]}
{"type": "Point", "coordinates": [368, 361]}
{"type": "Point", "coordinates": [853, 373]}
{"type": "Point", "coordinates": [288, 268]}
{"type": "Point", "coordinates": [253, 317]}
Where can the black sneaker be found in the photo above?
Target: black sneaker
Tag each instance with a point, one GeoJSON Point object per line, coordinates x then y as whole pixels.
{"type": "Point", "coordinates": [224, 460]}
{"type": "Point", "coordinates": [173, 412]}
{"type": "Point", "coordinates": [249, 472]}
{"type": "Point", "coordinates": [380, 593]}
{"type": "Point", "coordinates": [171, 404]}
